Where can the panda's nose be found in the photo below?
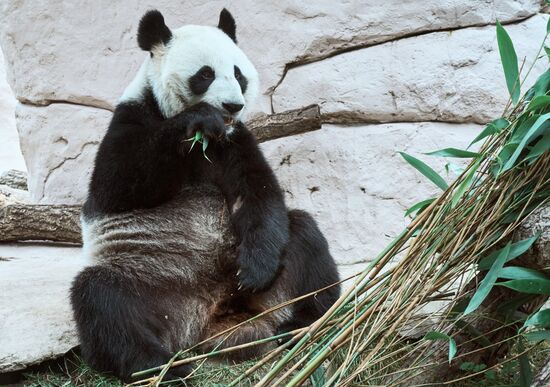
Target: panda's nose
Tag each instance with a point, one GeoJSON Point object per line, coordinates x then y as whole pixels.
{"type": "Point", "coordinates": [232, 107]}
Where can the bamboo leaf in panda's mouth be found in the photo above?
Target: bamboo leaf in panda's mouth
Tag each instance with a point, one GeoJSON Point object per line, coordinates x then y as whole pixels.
{"type": "Point", "coordinates": [199, 138]}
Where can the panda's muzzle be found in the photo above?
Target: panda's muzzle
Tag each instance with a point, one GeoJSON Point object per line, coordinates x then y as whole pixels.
{"type": "Point", "coordinates": [231, 109]}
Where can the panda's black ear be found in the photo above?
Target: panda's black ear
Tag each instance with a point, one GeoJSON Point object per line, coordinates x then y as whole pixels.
{"type": "Point", "coordinates": [152, 30]}
{"type": "Point", "coordinates": [227, 24]}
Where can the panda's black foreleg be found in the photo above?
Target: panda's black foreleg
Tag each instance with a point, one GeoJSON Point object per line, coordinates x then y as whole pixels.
{"type": "Point", "coordinates": [258, 212]}
{"type": "Point", "coordinates": [118, 330]}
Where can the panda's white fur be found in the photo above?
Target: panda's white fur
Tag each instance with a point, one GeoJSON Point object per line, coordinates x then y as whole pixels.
{"type": "Point", "coordinates": [169, 67]}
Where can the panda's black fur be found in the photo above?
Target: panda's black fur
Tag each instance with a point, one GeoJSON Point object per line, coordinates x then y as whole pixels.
{"type": "Point", "coordinates": [152, 289]}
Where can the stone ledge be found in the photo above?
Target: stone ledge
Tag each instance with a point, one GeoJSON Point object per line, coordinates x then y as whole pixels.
{"type": "Point", "coordinates": [35, 314]}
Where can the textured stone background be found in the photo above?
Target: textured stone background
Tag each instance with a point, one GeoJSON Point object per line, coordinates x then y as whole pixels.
{"type": "Point", "coordinates": [413, 75]}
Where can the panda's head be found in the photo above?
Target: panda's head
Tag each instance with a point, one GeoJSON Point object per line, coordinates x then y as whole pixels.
{"type": "Point", "coordinates": [193, 64]}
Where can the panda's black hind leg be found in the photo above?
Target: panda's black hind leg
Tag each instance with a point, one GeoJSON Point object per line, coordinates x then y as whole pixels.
{"type": "Point", "coordinates": [119, 331]}
{"type": "Point", "coordinates": [308, 267]}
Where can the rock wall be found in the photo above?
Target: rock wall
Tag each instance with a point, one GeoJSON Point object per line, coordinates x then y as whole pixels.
{"type": "Point", "coordinates": [389, 76]}
{"type": "Point", "coordinates": [10, 153]}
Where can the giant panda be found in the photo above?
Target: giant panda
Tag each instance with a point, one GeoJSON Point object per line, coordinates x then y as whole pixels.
{"type": "Point", "coordinates": [158, 283]}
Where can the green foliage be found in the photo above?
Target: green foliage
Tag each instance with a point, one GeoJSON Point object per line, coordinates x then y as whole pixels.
{"type": "Point", "coordinates": [427, 171]}
{"type": "Point", "coordinates": [525, 372]}
{"type": "Point", "coordinates": [317, 378]}
{"type": "Point", "coordinates": [540, 101]}
{"type": "Point", "coordinates": [453, 152]}
{"type": "Point", "coordinates": [464, 185]}
{"type": "Point", "coordinates": [518, 272]}
{"type": "Point", "coordinates": [493, 127]}
{"type": "Point", "coordinates": [73, 373]}
{"type": "Point", "coordinates": [540, 87]}
{"type": "Point", "coordinates": [532, 133]}
{"type": "Point", "coordinates": [516, 249]}
{"type": "Point", "coordinates": [442, 336]}
{"type": "Point", "coordinates": [541, 319]}
{"type": "Point", "coordinates": [488, 281]}
{"type": "Point", "coordinates": [530, 286]}
{"type": "Point", "coordinates": [199, 138]}
{"type": "Point", "coordinates": [419, 207]}
{"type": "Point", "coordinates": [472, 367]}
{"type": "Point", "coordinates": [538, 335]}
{"type": "Point", "coordinates": [509, 61]}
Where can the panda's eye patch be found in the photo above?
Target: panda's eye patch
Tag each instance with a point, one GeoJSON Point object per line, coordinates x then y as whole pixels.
{"type": "Point", "coordinates": [240, 78]}
{"type": "Point", "coordinates": [201, 81]}
{"type": "Point", "coordinates": [238, 74]}
{"type": "Point", "coordinates": [207, 73]}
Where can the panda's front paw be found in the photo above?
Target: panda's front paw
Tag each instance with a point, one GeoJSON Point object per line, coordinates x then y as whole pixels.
{"type": "Point", "coordinates": [206, 119]}
{"type": "Point", "coordinates": [257, 268]}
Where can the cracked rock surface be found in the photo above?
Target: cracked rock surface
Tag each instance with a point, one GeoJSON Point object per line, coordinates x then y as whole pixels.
{"type": "Point", "coordinates": [10, 154]}
{"type": "Point", "coordinates": [441, 76]}
{"type": "Point", "coordinates": [60, 159]}
{"type": "Point", "coordinates": [355, 183]}
{"type": "Point", "coordinates": [90, 53]}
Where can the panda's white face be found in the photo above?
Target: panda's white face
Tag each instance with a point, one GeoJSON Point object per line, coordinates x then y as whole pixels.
{"type": "Point", "coordinates": [195, 64]}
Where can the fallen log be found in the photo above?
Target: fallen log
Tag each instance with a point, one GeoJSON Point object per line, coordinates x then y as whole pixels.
{"type": "Point", "coordinates": [20, 221]}
{"type": "Point", "coordinates": [14, 179]}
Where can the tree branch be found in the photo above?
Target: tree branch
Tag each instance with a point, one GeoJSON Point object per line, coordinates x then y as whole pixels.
{"type": "Point", "coordinates": [288, 123]}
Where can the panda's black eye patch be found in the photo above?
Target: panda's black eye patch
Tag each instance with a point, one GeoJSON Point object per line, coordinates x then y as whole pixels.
{"type": "Point", "coordinates": [240, 78]}
{"type": "Point", "coordinates": [201, 80]}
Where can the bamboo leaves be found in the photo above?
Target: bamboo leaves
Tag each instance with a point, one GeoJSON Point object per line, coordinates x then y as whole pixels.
{"type": "Point", "coordinates": [538, 335]}
{"type": "Point", "coordinates": [540, 87]}
{"type": "Point", "coordinates": [538, 102]}
{"type": "Point", "coordinates": [419, 207]}
{"type": "Point", "coordinates": [516, 249]}
{"type": "Point", "coordinates": [464, 185]}
{"type": "Point", "coordinates": [533, 132]}
{"type": "Point", "coordinates": [442, 336]}
{"type": "Point", "coordinates": [426, 170]}
{"type": "Point", "coordinates": [541, 318]}
{"type": "Point", "coordinates": [453, 152]}
{"type": "Point", "coordinates": [509, 61]}
{"type": "Point", "coordinates": [492, 128]}
{"type": "Point", "coordinates": [521, 273]}
{"type": "Point", "coordinates": [199, 138]}
{"type": "Point", "coordinates": [490, 278]}
{"type": "Point", "coordinates": [530, 286]}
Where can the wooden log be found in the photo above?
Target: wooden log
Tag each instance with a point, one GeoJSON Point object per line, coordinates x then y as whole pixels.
{"type": "Point", "coordinates": [288, 123]}
{"type": "Point", "coordinates": [25, 222]}
{"type": "Point", "coordinates": [60, 223]}
{"type": "Point", "coordinates": [14, 179]}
